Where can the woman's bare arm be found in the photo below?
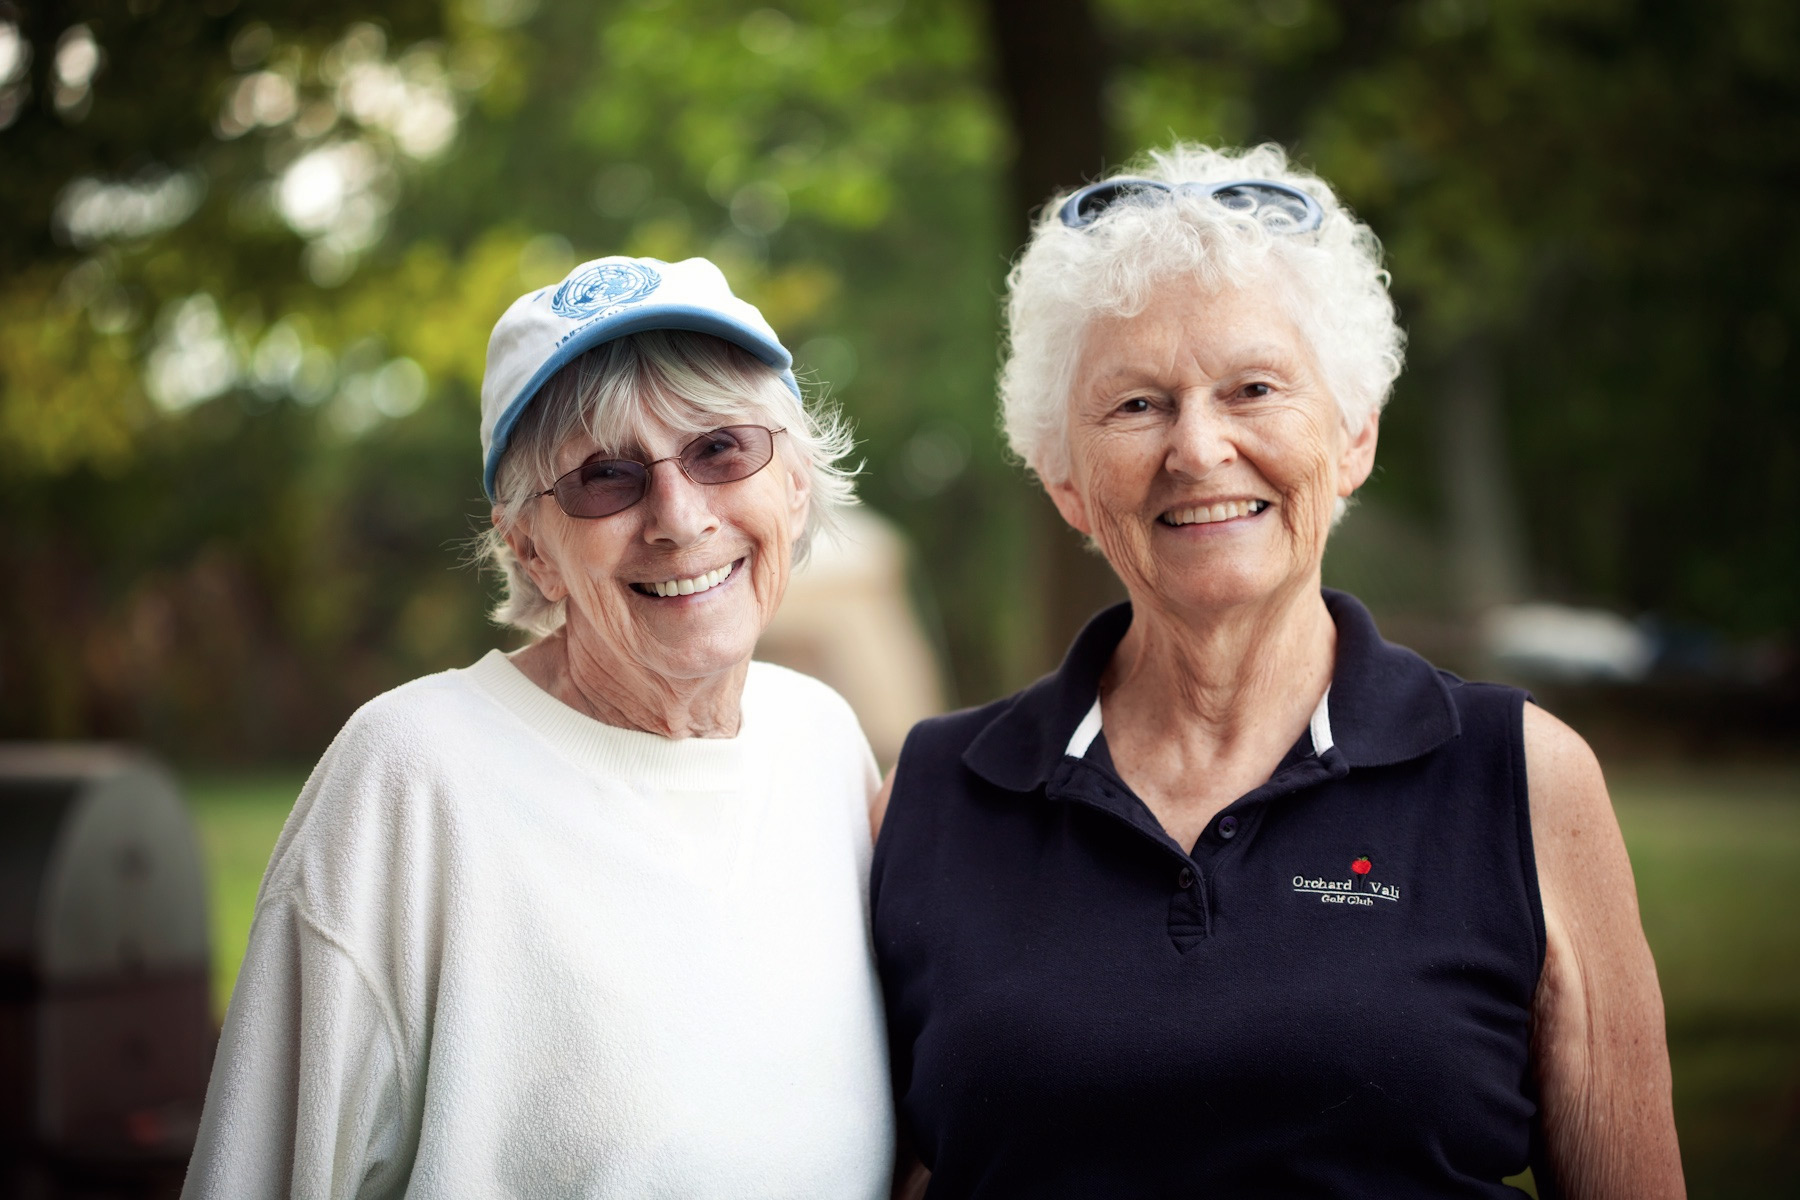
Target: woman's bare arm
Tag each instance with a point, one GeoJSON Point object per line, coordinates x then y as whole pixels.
{"type": "Point", "coordinates": [1598, 1044]}
{"type": "Point", "coordinates": [910, 1176]}
{"type": "Point", "coordinates": [878, 805]}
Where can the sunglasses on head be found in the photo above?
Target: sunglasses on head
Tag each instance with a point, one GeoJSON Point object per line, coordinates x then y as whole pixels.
{"type": "Point", "coordinates": [606, 486]}
{"type": "Point", "coordinates": [1279, 207]}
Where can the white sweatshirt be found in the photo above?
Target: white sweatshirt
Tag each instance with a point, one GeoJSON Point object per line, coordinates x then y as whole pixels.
{"type": "Point", "coordinates": [505, 950]}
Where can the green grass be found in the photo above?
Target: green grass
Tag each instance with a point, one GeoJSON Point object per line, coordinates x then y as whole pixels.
{"type": "Point", "coordinates": [1717, 856]}
{"type": "Point", "coordinates": [1717, 859]}
{"type": "Point", "coordinates": [239, 819]}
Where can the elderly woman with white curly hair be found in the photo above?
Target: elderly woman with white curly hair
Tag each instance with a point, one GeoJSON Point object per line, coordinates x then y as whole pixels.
{"type": "Point", "coordinates": [588, 919]}
{"type": "Point", "coordinates": [1243, 900]}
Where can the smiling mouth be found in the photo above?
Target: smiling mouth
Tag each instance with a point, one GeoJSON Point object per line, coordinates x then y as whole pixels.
{"type": "Point", "coordinates": [693, 585]}
{"type": "Point", "coordinates": [1207, 514]}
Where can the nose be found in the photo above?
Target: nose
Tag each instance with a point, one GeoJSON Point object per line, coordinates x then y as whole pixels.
{"type": "Point", "coordinates": [678, 512]}
{"type": "Point", "coordinates": [1199, 438]}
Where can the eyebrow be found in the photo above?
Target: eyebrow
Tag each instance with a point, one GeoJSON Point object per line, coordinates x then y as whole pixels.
{"type": "Point", "coordinates": [1267, 355]}
{"type": "Point", "coordinates": [605, 453]}
{"type": "Point", "coordinates": [1279, 357]}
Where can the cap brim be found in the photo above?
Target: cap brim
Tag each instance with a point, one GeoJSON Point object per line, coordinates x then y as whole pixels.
{"type": "Point", "coordinates": [639, 319]}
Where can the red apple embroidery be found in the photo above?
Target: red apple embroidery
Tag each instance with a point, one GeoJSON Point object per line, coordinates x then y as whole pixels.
{"type": "Point", "coordinates": [1361, 865]}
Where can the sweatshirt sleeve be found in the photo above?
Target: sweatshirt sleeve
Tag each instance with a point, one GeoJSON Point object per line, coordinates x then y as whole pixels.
{"type": "Point", "coordinates": [307, 1090]}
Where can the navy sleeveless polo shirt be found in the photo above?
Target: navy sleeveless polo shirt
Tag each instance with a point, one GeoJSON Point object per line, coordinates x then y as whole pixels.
{"type": "Point", "coordinates": [1328, 995]}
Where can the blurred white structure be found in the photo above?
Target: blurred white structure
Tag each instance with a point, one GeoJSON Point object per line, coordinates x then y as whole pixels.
{"type": "Point", "coordinates": [848, 620]}
{"type": "Point", "coordinates": [1575, 645]}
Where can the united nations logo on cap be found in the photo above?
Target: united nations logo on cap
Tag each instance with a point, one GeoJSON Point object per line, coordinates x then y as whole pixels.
{"type": "Point", "coordinates": [603, 286]}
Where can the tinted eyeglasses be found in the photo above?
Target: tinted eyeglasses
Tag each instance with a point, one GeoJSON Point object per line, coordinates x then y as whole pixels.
{"type": "Point", "coordinates": [609, 485]}
{"type": "Point", "coordinates": [1282, 209]}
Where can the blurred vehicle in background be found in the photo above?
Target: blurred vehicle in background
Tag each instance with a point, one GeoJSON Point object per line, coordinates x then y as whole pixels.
{"type": "Point", "coordinates": [1571, 645]}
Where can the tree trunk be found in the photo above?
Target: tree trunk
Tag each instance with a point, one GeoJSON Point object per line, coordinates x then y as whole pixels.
{"type": "Point", "coordinates": [1487, 560]}
{"type": "Point", "coordinates": [1050, 70]}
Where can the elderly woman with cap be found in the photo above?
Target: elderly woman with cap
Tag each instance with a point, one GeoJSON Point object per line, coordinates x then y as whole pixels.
{"type": "Point", "coordinates": [1243, 900]}
{"type": "Point", "coordinates": [587, 919]}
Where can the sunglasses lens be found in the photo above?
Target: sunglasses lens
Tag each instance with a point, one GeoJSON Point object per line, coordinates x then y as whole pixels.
{"type": "Point", "coordinates": [1281, 208]}
{"type": "Point", "coordinates": [1085, 206]}
{"type": "Point", "coordinates": [599, 489]}
{"type": "Point", "coordinates": [728, 455]}
{"type": "Point", "coordinates": [1275, 207]}
{"type": "Point", "coordinates": [1093, 203]}
{"type": "Point", "coordinates": [610, 485]}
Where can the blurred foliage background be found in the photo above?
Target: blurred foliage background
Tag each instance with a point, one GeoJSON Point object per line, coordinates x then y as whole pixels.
{"type": "Point", "coordinates": [252, 249]}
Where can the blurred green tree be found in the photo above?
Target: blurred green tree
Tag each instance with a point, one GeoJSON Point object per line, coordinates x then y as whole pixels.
{"type": "Point", "coordinates": [257, 247]}
{"type": "Point", "coordinates": [1582, 206]}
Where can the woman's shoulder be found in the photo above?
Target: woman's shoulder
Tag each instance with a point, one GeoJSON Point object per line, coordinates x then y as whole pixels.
{"type": "Point", "coordinates": [794, 700]}
{"type": "Point", "coordinates": [399, 755]}
{"type": "Point", "coordinates": [1568, 790]}
{"type": "Point", "coordinates": [1483, 699]}
{"type": "Point", "coordinates": [1027, 721]}
{"type": "Point", "coordinates": [420, 707]}
{"type": "Point", "coordinates": [953, 732]}
{"type": "Point", "coordinates": [792, 711]}
{"type": "Point", "coordinates": [934, 763]}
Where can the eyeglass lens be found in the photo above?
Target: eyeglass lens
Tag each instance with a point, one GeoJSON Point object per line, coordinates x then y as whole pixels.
{"type": "Point", "coordinates": [609, 485]}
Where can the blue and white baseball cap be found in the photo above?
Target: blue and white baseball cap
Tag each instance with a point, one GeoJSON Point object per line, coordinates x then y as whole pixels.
{"type": "Point", "coordinates": [596, 302]}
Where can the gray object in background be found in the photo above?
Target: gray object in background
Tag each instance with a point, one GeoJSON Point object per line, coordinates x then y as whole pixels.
{"type": "Point", "coordinates": [106, 1034]}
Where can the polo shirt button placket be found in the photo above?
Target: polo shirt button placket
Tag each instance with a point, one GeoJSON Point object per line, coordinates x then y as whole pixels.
{"type": "Point", "coordinates": [1184, 878]}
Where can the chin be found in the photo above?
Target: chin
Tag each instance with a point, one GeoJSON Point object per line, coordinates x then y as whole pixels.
{"type": "Point", "coordinates": [700, 653]}
{"type": "Point", "coordinates": [1218, 588]}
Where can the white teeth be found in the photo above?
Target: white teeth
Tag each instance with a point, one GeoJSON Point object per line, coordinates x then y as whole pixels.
{"type": "Point", "coordinates": [1205, 514]}
{"type": "Point", "coordinates": [687, 587]}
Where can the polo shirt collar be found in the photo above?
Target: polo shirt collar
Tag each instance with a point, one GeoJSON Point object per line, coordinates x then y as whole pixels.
{"type": "Point", "coordinates": [1386, 704]}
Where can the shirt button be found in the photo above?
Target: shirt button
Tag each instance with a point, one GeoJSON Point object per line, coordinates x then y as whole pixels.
{"type": "Point", "coordinates": [1184, 879]}
{"type": "Point", "coordinates": [1227, 826]}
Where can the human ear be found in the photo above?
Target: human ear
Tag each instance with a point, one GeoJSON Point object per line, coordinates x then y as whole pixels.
{"type": "Point", "coordinates": [799, 499]}
{"type": "Point", "coordinates": [1069, 503]}
{"type": "Point", "coordinates": [544, 573]}
{"type": "Point", "coordinates": [1357, 461]}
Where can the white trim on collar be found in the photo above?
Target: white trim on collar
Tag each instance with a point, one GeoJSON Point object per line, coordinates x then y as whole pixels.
{"type": "Point", "coordinates": [1089, 729]}
{"type": "Point", "coordinates": [1085, 733]}
{"type": "Point", "coordinates": [1321, 724]}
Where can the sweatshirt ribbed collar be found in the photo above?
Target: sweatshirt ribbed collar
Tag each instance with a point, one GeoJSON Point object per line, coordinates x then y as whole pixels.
{"type": "Point", "coordinates": [685, 764]}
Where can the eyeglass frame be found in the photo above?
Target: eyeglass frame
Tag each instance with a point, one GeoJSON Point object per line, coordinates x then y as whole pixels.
{"type": "Point", "coordinates": [650, 472]}
{"type": "Point", "coordinates": [1071, 215]}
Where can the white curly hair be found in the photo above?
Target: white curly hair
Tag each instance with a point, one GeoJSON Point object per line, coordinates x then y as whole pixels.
{"type": "Point", "coordinates": [1335, 286]}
